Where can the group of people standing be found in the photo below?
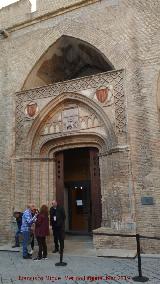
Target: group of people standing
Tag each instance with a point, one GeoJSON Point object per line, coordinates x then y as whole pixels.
{"type": "Point", "coordinates": [40, 219]}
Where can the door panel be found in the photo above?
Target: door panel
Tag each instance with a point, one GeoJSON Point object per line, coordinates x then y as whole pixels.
{"type": "Point", "coordinates": [60, 178]}
{"type": "Point", "coordinates": [96, 207]}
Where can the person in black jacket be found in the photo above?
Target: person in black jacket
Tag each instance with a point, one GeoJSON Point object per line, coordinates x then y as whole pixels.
{"type": "Point", "coordinates": [18, 216]}
{"type": "Point", "coordinates": [57, 221]}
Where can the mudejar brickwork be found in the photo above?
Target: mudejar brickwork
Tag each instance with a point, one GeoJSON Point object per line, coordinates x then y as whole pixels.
{"type": "Point", "coordinates": [80, 78]}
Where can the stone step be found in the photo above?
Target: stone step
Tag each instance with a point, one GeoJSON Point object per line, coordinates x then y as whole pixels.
{"type": "Point", "coordinates": [122, 253]}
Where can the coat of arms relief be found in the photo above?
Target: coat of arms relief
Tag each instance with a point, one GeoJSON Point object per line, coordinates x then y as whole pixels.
{"type": "Point", "coordinates": [104, 95]}
{"type": "Point", "coordinates": [31, 109]}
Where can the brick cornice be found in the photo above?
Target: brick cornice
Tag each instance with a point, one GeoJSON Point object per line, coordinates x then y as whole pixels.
{"type": "Point", "coordinates": [52, 14]}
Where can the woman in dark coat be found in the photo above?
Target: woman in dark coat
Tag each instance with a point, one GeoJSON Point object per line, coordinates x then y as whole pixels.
{"type": "Point", "coordinates": [41, 231]}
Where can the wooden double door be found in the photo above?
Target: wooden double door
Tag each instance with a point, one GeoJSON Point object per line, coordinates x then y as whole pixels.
{"type": "Point", "coordinates": [78, 173]}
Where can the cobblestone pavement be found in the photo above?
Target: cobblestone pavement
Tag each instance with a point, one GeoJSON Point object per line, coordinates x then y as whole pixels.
{"type": "Point", "coordinates": [13, 267]}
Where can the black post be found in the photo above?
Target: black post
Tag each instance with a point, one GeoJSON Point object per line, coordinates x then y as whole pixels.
{"type": "Point", "coordinates": [61, 256]}
{"type": "Point", "coordinates": [139, 255]}
{"type": "Point", "coordinates": [61, 263]}
{"type": "Point", "coordinates": [139, 278]}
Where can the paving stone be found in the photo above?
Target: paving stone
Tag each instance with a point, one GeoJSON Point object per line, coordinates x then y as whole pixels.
{"type": "Point", "coordinates": [13, 267]}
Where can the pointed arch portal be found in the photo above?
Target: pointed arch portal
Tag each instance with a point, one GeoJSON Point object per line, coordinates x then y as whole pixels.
{"type": "Point", "coordinates": [71, 105]}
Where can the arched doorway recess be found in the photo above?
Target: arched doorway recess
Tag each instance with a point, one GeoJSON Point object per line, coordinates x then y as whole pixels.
{"type": "Point", "coordinates": [68, 58]}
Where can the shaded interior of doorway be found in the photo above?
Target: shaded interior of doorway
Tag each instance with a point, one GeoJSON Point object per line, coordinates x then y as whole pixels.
{"type": "Point", "coordinates": [66, 59]}
{"type": "Point", "coordinates": [77, 190]}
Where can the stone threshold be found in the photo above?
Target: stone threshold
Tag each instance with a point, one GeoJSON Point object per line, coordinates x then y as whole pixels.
{"type": "Point", "coordinates": [8, 247]}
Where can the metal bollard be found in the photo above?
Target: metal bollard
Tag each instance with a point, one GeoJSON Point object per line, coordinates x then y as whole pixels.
{"type": "Point", "coordinates": [139, 278]}
{"type": "Point", "coordinates": [61, 263]}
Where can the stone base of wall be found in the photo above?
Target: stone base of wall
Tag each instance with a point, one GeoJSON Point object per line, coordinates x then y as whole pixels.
{"type": "Point", "coordinates": [150, 246]}
{"type": "Point", "coordinates": [100, 240]}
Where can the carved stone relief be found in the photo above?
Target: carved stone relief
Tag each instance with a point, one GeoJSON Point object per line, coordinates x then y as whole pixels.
{"type": "Point", "coordinates": [71, 118]}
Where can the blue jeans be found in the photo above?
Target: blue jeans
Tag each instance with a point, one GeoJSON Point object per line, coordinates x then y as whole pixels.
{"type": "Point", "coordinates": [26, 238]}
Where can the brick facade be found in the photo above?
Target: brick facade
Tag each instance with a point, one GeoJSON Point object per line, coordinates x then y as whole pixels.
{"type": "Point", "coordinates": [127, 33]}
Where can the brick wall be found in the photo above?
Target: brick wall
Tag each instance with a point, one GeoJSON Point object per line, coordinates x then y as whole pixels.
{"type": "Point", "coordinates": [15, 13]}
{"type": "Point", "coordinates": [127, 33]}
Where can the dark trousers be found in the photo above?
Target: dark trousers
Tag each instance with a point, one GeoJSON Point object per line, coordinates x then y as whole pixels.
{"type": "Point", "coordinates": [32, 241]}
{"type": "Point", "coordinates": [18, 233]}
{"type": "Point", "coordinates": [58, 234]}
{"type": "Point", "coordinates": [42, 247]}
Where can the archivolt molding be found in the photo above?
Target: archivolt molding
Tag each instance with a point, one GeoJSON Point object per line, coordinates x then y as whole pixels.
{"type": "Point", "coordinates": [74, 141]}
{"type": "Point", "coordinates": [35, 139]}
